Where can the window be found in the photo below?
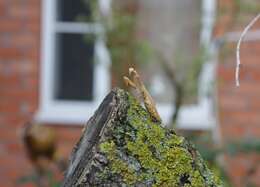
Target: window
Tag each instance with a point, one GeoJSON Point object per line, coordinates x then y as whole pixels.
{"type": "Point", "coordinates": [74, 65]}
{"type": "Point", "coordinates": [178, 35]}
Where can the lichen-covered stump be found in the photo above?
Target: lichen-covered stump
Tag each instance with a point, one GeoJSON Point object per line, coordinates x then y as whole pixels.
{"type": "Point", "coordinates": [123, 146]}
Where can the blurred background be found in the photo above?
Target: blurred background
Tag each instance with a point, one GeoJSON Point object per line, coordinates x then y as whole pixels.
{"type": "Point", "coordinates": [59, 58]}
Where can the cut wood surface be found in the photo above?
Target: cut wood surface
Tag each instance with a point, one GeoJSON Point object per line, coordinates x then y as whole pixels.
{"type": "Point", "coordinates": [122, 146]}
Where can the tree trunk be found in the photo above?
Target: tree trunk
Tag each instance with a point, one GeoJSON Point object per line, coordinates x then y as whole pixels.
{"type": "Point", "coordinates": [122, 146]}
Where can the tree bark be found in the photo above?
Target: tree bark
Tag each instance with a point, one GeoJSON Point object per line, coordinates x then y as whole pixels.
{"type": "Point", "coordinates": [122, 146]}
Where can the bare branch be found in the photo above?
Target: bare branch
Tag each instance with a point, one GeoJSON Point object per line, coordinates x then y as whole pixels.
{"type": "Point", "coordinates": [238, 46]}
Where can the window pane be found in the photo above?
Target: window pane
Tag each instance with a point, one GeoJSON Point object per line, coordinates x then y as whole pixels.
{"type": "Point", "coordinates": [73, 10]}
{"type": "Point", "coordinates": [74, 67]}
{"type": "Point", "coordinates": [175, 34]}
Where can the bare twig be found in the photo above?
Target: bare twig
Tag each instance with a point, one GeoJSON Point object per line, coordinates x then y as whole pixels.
{"type": "Point", "coordinates": [238, 46]}
{"type": "Point", "coordinates": [178, 88]}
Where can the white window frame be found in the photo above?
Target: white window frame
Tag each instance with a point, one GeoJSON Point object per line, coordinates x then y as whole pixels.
{"type": "Point", "coordinates": [56, 111]}
{"type": "Point", "coordinates": [200, 116]}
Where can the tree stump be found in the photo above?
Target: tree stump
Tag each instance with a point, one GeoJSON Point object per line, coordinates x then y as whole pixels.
{"type": "Point", "coordinates": [122, 146]}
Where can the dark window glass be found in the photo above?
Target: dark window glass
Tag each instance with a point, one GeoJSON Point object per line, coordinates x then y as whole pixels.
{"type": "Point", "coordinates": [73, 10]}
{"type": "Point", "coordinates": [74, 67]}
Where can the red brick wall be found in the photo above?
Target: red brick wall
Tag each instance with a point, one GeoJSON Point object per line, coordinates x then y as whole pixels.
{"type": "Point", "coordinates": [19, 89]}
{"type": "Point", "coordinates": [239, 113]}
{"type": "Point", "coordinates": [20, 28]}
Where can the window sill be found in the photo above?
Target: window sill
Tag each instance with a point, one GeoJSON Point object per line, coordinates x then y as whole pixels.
{"type": "Point", "coordinates": [192, 117]}
{"type": "Point", "coordinates": [66, 113]}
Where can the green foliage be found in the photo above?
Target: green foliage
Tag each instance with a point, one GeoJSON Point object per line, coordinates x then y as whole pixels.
{"type": "Point", "coordinates": [126, 50]}
{"type": "Point", "coordinates": [155, 155]}
{"type": "Point", "coordinates": [190, 84]}
{"type": "Point", "coordinates": [240, 13]}
{"type": "Point", "coordinates": [244, 6]}
{"type": "Point", "coordinates": [34, 179]}
{"type": "Point", "coordinates": [244, 146]}
{"type": "Point", "coordinates": [210, 152]}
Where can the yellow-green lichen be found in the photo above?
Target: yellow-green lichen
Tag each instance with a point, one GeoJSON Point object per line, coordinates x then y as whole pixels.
{"type": "Point", "coordinates": [117, 165]}
{"type": "Point", "coordinates": [163, 157]}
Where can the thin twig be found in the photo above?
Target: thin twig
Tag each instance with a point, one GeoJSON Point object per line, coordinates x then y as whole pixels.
{"type": "Point", "coordinates": [238, 46]}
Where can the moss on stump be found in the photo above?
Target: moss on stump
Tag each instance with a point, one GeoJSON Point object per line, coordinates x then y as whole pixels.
{"type": "Point", "coordinates": [130, 149]}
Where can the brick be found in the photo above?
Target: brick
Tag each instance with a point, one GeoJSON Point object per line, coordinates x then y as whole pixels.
{"type": "Point", "coordinates": [65, 149]}
{"type": "Point", "coordinates": [5, 40]}
{"type": "Point", "coordinates": [256, 175]}
{"type": "Point", "coordinates": [2, 8]}
{"type": "Point", "coordinates": [18, 67]}
{"type": "Point", "coordinates": [246, 117]}
{"type": "Point", "coordinates": [14, 148]}
{"type": "Point", "coordinates": [13, 121]}
{"type": "Point", "coordinates": [247, 74]}
{"type": "Point", "coordinates": [254, 104]}
{"type": "Point", "coordinates": [233, 103]}
{"type": "Point", "coordinates": [10, 53]}
{"type": "Point", "coordinates": [249, 89]}
{"type": "Point", "coordinates": [239, 108]}
{"type": "Point", "coordinates": [27, 11]}
{"type": "Point", "coordinates": [69, 134]}
{"type": "Point", "coordinates": [233, 131]}
{"type": "Point", "coordinates": [25, 39]}
{"type": "Point", "coordinates": [33, 27]}
{"type": "Point", "coordinates": [19, 76]}
{"type": "Point", "coordinates": [226, 73]}
{"type": "Point", "coordinates": [251, 75]}
{"type": "Point", "coordinates": [8, 79]}
{"type": "Point", "coordinates": [239, 167]}
{"type": "Point", "coordinates": [21, 94]}
{"type": "Point", "coordinates": [7, 25]}
{"type": "Point", "coordinates": [9, 107]}
{"type": "Point", "coordinates": [7, 134]}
